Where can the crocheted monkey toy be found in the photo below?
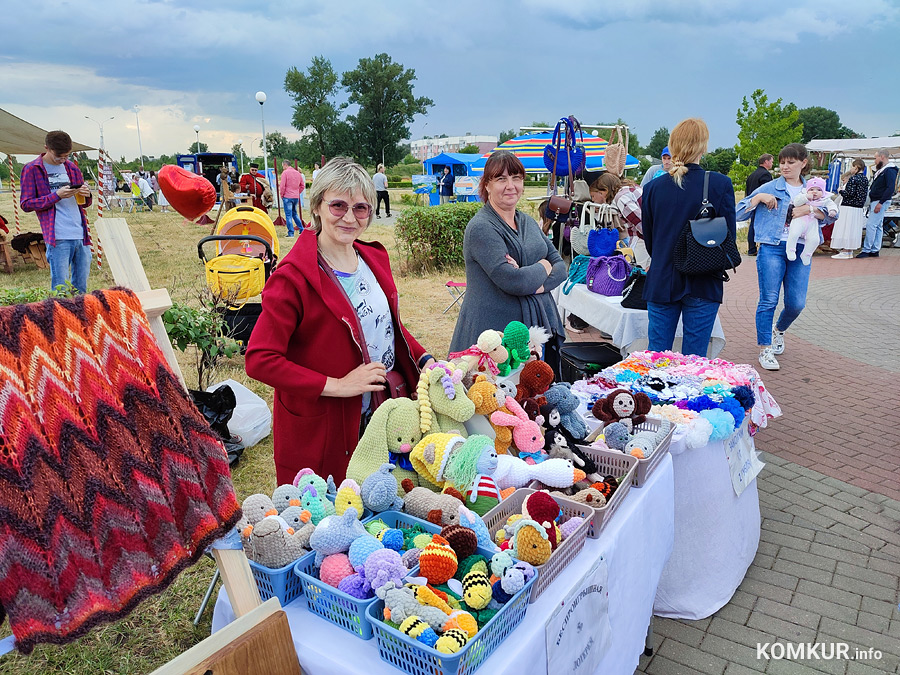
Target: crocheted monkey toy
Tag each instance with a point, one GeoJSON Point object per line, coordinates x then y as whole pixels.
{"type": "Point", "coordinates": [623, 406]}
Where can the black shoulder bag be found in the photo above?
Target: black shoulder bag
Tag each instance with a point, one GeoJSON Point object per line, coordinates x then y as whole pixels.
{"type": "Point", "coordinates": [705, 247]}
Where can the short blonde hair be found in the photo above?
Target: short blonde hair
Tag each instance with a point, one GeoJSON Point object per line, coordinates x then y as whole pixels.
{"type": "Point", "coordinates": [688, 140]}
{"type": "Point", "coordinates": [340, 174]}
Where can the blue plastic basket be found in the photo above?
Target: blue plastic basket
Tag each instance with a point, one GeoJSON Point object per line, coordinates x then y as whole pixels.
{"type": "Point", "coordinates": [417, 658]}
{"type": "Point", "coordinates": [279, 583]}
{"type": "Point", "coordinates": [336, 606]}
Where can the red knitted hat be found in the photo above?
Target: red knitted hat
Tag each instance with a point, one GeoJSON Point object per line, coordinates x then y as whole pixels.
{"type": "Point", "coordinates": [437, 562]}
{"type": "Point", "coordinates": [463, 540]}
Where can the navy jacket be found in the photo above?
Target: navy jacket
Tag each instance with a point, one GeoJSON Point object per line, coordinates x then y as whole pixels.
{"type": "Point", "coordinates": [882, 188]}
{"type": "Point", "coordinates": [665, 210]}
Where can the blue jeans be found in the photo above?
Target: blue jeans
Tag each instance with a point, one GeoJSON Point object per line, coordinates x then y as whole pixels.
{"type": "Point", "coordinates": [698, 317]}
{"type": "Point", "coordinates": [70, 260]}
{"type": "Point", "coordinates": [292, 214]}
{"type": "Point", "coordinates": [874, 229]}
{"type": "Point", "coordinates": [774, 270]}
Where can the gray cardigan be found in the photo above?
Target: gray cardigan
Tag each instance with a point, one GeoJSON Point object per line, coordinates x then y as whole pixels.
{"type": "Point", "coordinates": [497, 292]}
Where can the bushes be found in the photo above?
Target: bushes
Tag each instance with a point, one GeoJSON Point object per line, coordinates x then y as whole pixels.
{"type": "Point", "coordinates": [432, 236]}
{"type": "Point", "coordinates": [399, 183]}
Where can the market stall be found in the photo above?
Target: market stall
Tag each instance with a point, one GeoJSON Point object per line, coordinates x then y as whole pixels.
{"type": "Point", "coordinates": [460, 165]}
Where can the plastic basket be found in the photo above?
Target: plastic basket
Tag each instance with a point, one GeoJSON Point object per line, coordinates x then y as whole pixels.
{"type": "Point", "coordinates": [416, 658]}
{"type": "Point", "coordinates": [279, 583]}
{"type": "Point", "coordinates": [336, 606]}
{"type": "Point", "coordinates": [645, 466]}
{"type": "Point", "coordinates": [564, 553]}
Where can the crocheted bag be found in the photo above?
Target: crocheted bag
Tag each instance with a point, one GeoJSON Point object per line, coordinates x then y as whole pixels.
{"type": "Point", "coordinates": [602, 242]}
{"type": "Point", "coordinates": [577, 272]}
{"type": "Point", "coordinates": [607, 275]}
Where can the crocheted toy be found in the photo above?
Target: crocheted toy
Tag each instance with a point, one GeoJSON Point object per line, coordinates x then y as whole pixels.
{"type": "Point", "coordinates": [616, 436]}
{"type": "Point", "coordinates": [590, 496]}
{"type": "Point", "coordinates": [607, 486]}
{"type": "Point", "coordinates": [285, 496]}
{"type": "Point", "coordinates": [500, 562]}
{"type": "Point", "coordinates": [390, 435]}
{"type": "Point", "coordinates": [438, 508]}
{"type": "Point", "coordinates": [361, 549]}
{"type": "Point", "coordinates": [375, 526]}
{"type": "Point", "coordinates": [567, 529]}
{"type": "Point", "coordinates": [462, 540]}
{"type": "Point", "coordinates": [347, 496]}
{"type": "Point", "coordinates": [470, 470]}
{"type": "Point", "coordinates": [623, 406]}
{"type": "Point", "coordinates": [644, 443]}
{"type": "Point", "coordinates": [471, 520]}
{"type": "Point", "coordinates": [474, 562]}
{"type": "Point", "coordinates": [401, 603]}
{"type": "Point", "coordinates": [530, 542]}
{"type": "Point", "coordinates": [538, 336]}
{"type": "Point", "coordinates": [560, 395]}
{"type": "Point", "coordinates": [540, 506]}
{"type": "Point", "coordinates": [431, 455]}
{"type": "Point", "coordinates": [306, 477]}
{"type": "Point", "coordinates": [255, 508]}
{"type": "Point", "coordinates": [314, 505]}
{"type": "Point", "coordinates": [535, 378]}
{"type": "Point", "coordinates": [417, 629]}
{"type": "Point", "coordinates": [513, 472]}
{"type": "Point", "coordinates": [488, 399]}
{"type": "Point", "coordinates": [411, 557]}
{"type": "Point", "coordinates": [558, 446]}
{"type": "Point", "coordinates": [335, 568]}
{"type": "Point", "coordinates": [456, 618]}
{"type": "Point", "coordinates": [476, 590]}
{"type": "Point", "coordinates": [334, 534]}
{"type": "Point", "coordinates": [527, 434]}
{"type": "Point", "coordinates": [516, 341]}
{"type": "Point", "coordinates": [484, 355]}
{"type": "Point", "coordinates": [379, 490]}
{"type": "Point", "coordinates": [382, 567]}
{"type": "Point", "coordinates": [437, 561]}
{"type": "Point", "coordinates": [443, 405]}
{"type": "Point", "coordinates": [273, 545]}
{"type": "Point", "coordinates": [391, 538]}
{"type": "Point", "coordinates": [451, 641]}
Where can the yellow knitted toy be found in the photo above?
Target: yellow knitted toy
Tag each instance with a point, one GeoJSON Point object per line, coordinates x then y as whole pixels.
{"type": "Point", "coordinates": [430, 456]}
{"type": "Point", "coordinates": [394, 428]}
{"type": "Point", "coordinates": [451, 641]}
{"type": "Point", "coordinates": [483, 393]}
{"type": "Point", "coordinates": [347, 496]}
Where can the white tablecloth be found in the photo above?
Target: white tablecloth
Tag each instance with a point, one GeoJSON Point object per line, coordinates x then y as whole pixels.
{"type": "Point", "coordinates": [636, 545]}
{"type": "Point", "coordinates": [628, 327]}
{"type": "Point", "coordinates": [716, 534]}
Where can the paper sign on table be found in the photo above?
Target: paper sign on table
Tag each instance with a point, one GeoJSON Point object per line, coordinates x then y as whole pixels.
{"type": "Point", "coordinates": [743, 460]}
{"type": "Point", "coordinates": [578, 632]}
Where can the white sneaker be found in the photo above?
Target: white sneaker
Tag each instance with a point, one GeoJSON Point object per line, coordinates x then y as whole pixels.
{"type": "Point", "coordinates": [777, 342]}
{"type": "Point", "coordinates": [843, 255]}
{"type": "Point", "coordinates": [767, 359]}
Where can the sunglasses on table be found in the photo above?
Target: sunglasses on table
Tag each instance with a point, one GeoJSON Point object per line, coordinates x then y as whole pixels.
{"type": "Point", "coordinates": [339, 208]}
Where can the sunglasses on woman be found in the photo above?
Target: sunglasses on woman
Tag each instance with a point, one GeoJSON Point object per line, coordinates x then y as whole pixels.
{"type": "Point", "coordinates": [339, 208]}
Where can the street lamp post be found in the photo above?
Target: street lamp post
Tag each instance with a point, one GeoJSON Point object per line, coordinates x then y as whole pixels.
{"type": "Point", "coordinates": [261, 98]}
{"type": "Point", "coordinates": [140, 147]}
{"type": "Point", "coordinates": [100, 124]}
{"type": "Point", "coordinates": [197, 131]}
{"type": "Point", "coordinates": [241, 150]}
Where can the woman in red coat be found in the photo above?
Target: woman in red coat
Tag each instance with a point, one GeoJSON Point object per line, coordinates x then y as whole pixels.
{"type": "Point", "coordinates": [308, 343]}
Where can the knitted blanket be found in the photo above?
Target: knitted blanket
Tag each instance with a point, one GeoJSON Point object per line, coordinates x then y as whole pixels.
{"type": "Point", "coordinates": [111, 482]}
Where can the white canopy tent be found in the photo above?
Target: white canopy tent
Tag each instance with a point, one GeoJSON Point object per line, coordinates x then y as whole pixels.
{"type": "Point", "coordinates": [855, 147]}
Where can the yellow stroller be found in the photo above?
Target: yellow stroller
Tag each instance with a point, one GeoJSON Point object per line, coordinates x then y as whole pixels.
{"type": "Point", "coordinates": [246, 255]}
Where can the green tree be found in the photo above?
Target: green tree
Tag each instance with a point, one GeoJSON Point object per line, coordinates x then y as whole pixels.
{"type": "Point", "coordinates": [277, 145]}
{"type": "Point", "coordinates": [470, 149]}
{"type": "Point", "coordinates": [506, 135]}
{"type": "Point", "coordinates": [542, 124]}
{"type": "Point", "coordinates": [658, 141]}
{"type": "Point", "coordinates": [383, 90]}
{"type": "Point", "coordinates": [719, 160]}
{"type": "Point", "coordinates": [410, 159]}
{"type": "Point", "coordinates": [192, 149]}
{"type": "Point", "coordinates": [819, 122]}
{"type": "Point", "coordinates": [314, 107]}
{"type": "Point", "coordinates": [764, 128]}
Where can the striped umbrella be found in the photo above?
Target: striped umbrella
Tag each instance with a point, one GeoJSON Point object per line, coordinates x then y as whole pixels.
{"type": "Point", "coordinates": [529, 148]}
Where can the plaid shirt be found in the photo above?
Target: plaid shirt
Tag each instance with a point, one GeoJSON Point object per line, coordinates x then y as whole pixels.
{"type": "Point", "coordinates": [628, 202]}
{"type": "Point", "coordinates": [36, 196]}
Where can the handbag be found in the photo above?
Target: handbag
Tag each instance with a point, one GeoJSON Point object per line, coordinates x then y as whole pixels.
{"type": "Point", "coordinates": [559, 209]}
{"type": "Point", "coordinates": [395, 385]}
{"type": "Point", "coordinates": [562, 155]}
{"type": "Point", "coordinates": [580, 191]}
{"type": "Point", "coordinates": [602, 242]}
{"type": "Point", "coordinates": [577, 272]}
{"type": "Point", "coordinates": [616, 153]}
{"type": "Point", "coordinates": [633, 293]}
{"type": "Point", "coordinates": [607, 275]}
{"type": "Point", "coordinates": [705, 247]}
{"type": "Point", "coordinates": [625, 250]}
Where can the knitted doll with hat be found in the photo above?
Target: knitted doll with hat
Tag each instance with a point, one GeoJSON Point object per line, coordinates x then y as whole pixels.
{"type": "Point", "coordinates": [484, 355]}
{"type": "Point", "coordinates": [431, 455]}
{"type": "Point", "coordinates": [389, 437]}
{"type": "Point", "coordinates": [516, 340]}
{"type": "Point", "coordinates": [535, 378]}
{"type": "Point", "coordinates": [560, 395]}
{"type": "Point", "coordinates": [488, 399]}
{"type": "Point", "coordinates": [623, 406]}
{"type": "Point", "coordinates": [438, 508]}
{"type": "Point", "coordinates": [443, 404]}
{"type": "Point", "coordinates": [470, 470]}
{"type": "Point", "coordinates": [379, 491]}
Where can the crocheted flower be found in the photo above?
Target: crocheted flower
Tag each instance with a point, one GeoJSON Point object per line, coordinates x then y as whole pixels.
{"type": "Point", "coordinates": [702, 403]}
{"type": "Point", "coordinates": [722, 423]}
{"type": "Point", "coordinates": [699, 432]}
{"type": "Point", "coordinates": [733, 407]}
{"type": "Point", "coordinates": [744, 396]}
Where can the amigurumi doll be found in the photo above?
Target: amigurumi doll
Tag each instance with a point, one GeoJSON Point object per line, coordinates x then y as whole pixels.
{"type": "Point", "coordinates": [379, 490]}
{"type": "Point", "coordinates": [361, 549]}
{"type": "Point", "coordinates": [391, 433]}
{"type": "Point", "coordinates": [560, 395]}
{"type": "Point", "coordinates": [530, 543]}
{"type": "Point", "coordinates": [470, 470]}
{"type": "Point", "coordinates": [285, 496]}
{"type": "Point", "coordinates": [461, 539]}
{"type": "Point", "coordinates": [335, 568]}
{"type": "Point", "coordinates": [272, 545]}
{"type": "Point", "coordinates": [644, 443]}
{"type": "Point", "coordinates": [314, 504]}
{"type": "Point", "coordinates": [255, 508]}
{"type": "Point", "coordinates": [526, 433]}
{"type": "Point", "coordinates": [485, 355]}
{"type": "Point", "coordinates": [513, 472]}
{"type": "Point", "coordinates": [488, 399]}
{"type": "Point", "coordinates": [616, 436]}
{"type": "Point", "coordinates": [437, 561]}
{"type": "Point", "coordinates": [516, 340]}
{"type": "Point", "coordinates": [431, 455]}
{"type": "Point", "coordinates": [384, 566]}
{"type": "Point", "coordinates": [443, 404]}
{"type": "Point", "coordinates": [419, 630]}
{"type": "Point", "coordinates": [623, 406]}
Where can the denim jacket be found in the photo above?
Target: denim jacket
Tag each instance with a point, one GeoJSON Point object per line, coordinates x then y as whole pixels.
{"type": "Point", "coordinates": [768, 225]}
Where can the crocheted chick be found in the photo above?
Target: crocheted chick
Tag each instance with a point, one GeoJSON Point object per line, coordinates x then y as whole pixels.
{"type": "Point", "coordinates": [471, 520]}
{"type": "Point", "coordinates": [431, 455]}
{"type": "Point", "coordinates": [306, 477]}
{"type": "Point", "coordinates": [514, 472]}
{"type": "Point", "coordinates": [272, 545]}
{"type": "Point", "coordinates": [379, 490]}
{"type": "Point", "coordinates": [361, 549]}
{"type": "Point", "coordinates": [417, 629]}
{"type": "Point", "coordinates": [391, 433]}
{"type": "Point", "coordinates": [530, 542]}
{"type": "Point", "coordinates": [461, 539]}
{"type": "Point", "coordinates": [489, 399]}
{"type": "Point", "coordinates": [347, 496]}
{"type": "Point", "coordinates": [644, 443]}
{"type": "Point", "coordinates": [515, 339]}
{"type": "Point", "coordinates": [560, 395]}
{"type": "Point", "coordinates": [476, 590]}
{"type": "Point", "coordinates": [286, 495]}
{"type": "Point", "coordinates": [314, 504]}
{"type": "Point", "coordinates": [505, 533]}
{"type": "Point", "coordinates": [470, 470]}
{"type": "Point", "coordinates": [437, 561]}
{"type": "Point", "coordinates": [590, 496]}
{"type": "Point", "coordinates": [255, 508]}
{"type": "Point", "coordinates": [443, 404]}
{"type": "Point", "coordinates": [334, 568]}
{"type": "Point", "coordinates": [440, 509]}
{"type": "Point", "coordinates": [535, 378]}
{"type": "Point", "coordinates": [334, 534]}
{"type": "Point", "coordinates": [451, 641]}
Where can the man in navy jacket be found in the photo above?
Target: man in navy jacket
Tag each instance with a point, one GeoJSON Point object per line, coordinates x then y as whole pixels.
{"type": "Point", "coordinates": [754, 180]}
{"type": "Point", "coordinates": [880, 192]}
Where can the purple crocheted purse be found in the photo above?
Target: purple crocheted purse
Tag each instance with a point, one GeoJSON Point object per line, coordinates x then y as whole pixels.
{"type": "Point", "coordinates": [607, 275]}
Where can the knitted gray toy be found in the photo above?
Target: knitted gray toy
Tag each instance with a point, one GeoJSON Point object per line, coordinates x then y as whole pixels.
{"type": "Point", "coordinates": [616, 436]}
{"type": "Point", "coordinates": [272, 545]}
{"type": "Point", "coordinates": [334, 534]}
{"type": "Point", "coordinates": [285, 496]}
{"type": "Point", "coordinates": [560, 395]}
{"type": "Point", "coordinates": [379, 491]}
{"type": "Point", "coordinates": [647, 441]}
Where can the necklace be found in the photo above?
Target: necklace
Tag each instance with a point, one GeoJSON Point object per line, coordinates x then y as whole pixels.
{"type": "Point", "coordinates": [334, 267]}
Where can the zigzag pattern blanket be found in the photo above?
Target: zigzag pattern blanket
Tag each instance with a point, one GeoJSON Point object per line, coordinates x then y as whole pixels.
{"type": "Point", "coordinates": [111, 482]}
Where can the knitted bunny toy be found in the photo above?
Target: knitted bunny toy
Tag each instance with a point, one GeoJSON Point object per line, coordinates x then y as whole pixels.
{"type": "Point", "coordinates": [389, 437]}
{"type": "Point", "coordinates": [334, 534]}
{"type": "Point", "coordinates": [513, 472]}
{"type": "Point", "coordinates": [535, 378]}
{"type": "Point", "coordinates": [527, 434]}
{"type": "Point", "coordinates": [488, 399]}
{"type": "Point", "coordinates": [516, 341]}
{"type": "Point", "coordinates": [379, 490]}
{"type": "Point", "coordinates": [470, 470]}
{"type": "Point", "coordinates": [560, 395]}
{"type": "Point", "coordinates": [443, 404]}
{"type": "Point", "coordinates": [623, 406]}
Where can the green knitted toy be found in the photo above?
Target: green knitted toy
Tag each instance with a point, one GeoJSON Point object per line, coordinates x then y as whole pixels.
{"type": "Point", "coordinates": [515, 339]}
{"type": "Point", "coordinates": [443, 404]}
{"type": "Point", "coordinates": [394, 428]}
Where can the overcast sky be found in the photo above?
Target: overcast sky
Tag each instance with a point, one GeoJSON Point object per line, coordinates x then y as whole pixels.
{"type": "Point", "coordinates": [488, 65]}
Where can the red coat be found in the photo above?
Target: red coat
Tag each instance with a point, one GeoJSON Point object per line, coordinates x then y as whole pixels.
{"type": "Point", "coordinates": [303, 336]}
{"type": "Point", "coordinates": [252, 186]}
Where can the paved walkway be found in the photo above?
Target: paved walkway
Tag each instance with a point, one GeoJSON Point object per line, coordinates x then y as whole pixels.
{"type": "Point", "coordinates": [828, 566]}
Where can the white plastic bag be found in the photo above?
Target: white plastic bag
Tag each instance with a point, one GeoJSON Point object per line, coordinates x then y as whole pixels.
{"type": "Point", "coordinates": [252, 419]}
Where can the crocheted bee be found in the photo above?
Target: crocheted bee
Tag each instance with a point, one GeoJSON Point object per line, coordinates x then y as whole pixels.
{"type": "Point", "coordinates": [419, 630]}
{"type": "Point", "coordinates": [451, 641]}
{"type": "Point", "coordinates": [476, 590]}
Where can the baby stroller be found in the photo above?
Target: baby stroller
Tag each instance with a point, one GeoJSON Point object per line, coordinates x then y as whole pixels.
{"type": "Point", "coordinates": [246, 255]}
